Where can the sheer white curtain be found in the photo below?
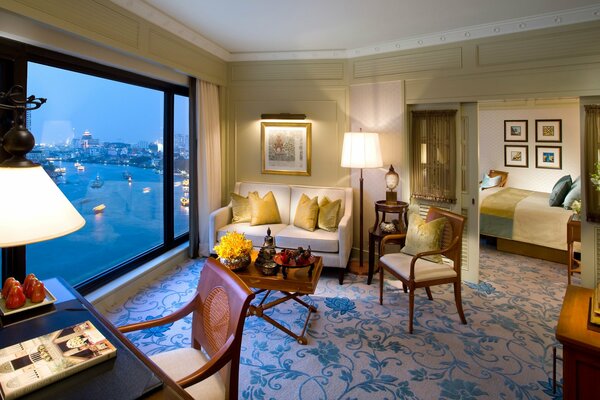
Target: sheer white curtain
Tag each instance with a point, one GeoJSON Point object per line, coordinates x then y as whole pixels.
{"type": "Point", "coordinates": [207, 130]}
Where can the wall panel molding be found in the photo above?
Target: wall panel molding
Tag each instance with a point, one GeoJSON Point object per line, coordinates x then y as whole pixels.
{"type": "Point", "coordinates": [293, 71]}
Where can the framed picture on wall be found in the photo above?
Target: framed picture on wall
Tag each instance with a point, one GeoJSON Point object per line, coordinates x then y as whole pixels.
{"type": "Point", "coordinates": [548, 130]}
{"type": "Point", "coordinates": [548, 157]}
{"type": "Point", "coordinates": [516, 156]}
{"type": "Point", "coordinates": [515, 131]}
{"type": "Point", "coordinates": [286, 148]}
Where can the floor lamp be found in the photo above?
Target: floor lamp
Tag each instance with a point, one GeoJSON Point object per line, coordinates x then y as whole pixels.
{"type": "Point", "coordinates": [32, 207]}
{"type": "Point", "coordinates": [361, 150]}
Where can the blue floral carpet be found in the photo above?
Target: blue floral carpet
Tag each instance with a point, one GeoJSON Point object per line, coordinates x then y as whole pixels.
{"type": "Point", "coordinates": [358, 349]}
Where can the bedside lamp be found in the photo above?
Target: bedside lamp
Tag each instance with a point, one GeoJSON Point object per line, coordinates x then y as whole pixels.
{"type": "Point", "coordinates": [391, 182]}
{"type": "Point", "coordinates": [361, 150]}
{"type": "Point", "coordinates": [32, 207]}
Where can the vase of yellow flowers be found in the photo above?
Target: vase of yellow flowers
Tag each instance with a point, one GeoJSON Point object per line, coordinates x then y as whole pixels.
{"type": "Point", "coordinates": [234, 250]}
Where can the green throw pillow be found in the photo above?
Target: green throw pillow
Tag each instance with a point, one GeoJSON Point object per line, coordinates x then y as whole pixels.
{"type": "Point", "coordinates": [559, 191]}
{"type": "Point", "coordinates": [328, 214]}
{"type": "Point", "coordinates": [240, 207]}
{"type": "Point", "coordinates": [265, 210]}
{"type": "Point", "coordinates": [306, 213]}
{"type": "Point", "coordinates": [424, 236]}
{"type": "Point", "coordinates": [574, 193]}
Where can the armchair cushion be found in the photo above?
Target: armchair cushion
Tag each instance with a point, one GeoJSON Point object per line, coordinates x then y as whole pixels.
{"type": "Point", "coordinates": [424, 236]}
{"type": "Point", "coordinates": [307, 212]}
{"type": "Point", "coordinates": [265, 210]}
{"type": "Point", "coordinates": [425, 270]}
{"type": "Point", "coordinates": [182, 362]}
{"type": "Point", "coordinates": [328, 214]}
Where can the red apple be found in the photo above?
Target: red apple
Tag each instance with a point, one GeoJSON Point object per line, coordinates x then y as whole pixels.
{"type": "Point", "coordinates": [28, 289]}
{"type": "Point", "coordinates": [8, 283]}
{"type": "Point", "coordinates": [16, 297]}
{"type": "Point", "coordinates": [29, 279]}
{"type": "Point", "coordinates": [38, 293]}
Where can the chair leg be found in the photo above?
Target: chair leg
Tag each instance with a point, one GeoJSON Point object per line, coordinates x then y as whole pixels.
{"type": "Point", "coordinates": [458, 299]}
{"type": "Point", "coordinates": [404, 287]}
{"type": "Point", "coordinates": [411, 309]}
{"type": "Point", "coordinates": [380, 284]}
{"type": "Point", "coordinates": [428, 290]}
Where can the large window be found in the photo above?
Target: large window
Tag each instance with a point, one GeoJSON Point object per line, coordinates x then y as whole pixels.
{"type": "Point", "coordinates": [116, 144]}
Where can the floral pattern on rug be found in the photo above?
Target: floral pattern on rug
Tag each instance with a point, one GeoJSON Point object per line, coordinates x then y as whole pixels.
{"type": "Point", "coordinates": [358, 349]}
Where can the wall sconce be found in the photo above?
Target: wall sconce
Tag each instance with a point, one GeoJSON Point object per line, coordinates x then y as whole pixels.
{"type": "Point", "coordinates": [283, 116]}
{"type": "Point", "coordinates": [32, 207]}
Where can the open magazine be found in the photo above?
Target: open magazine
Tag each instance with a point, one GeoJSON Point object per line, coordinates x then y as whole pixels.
{"type": "Point", "coordinates": [32, 364]}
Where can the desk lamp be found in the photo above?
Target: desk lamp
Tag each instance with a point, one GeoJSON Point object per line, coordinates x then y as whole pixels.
{"type": "Point", "coordinates": [361, 150]}
{"type": "Point", "coordinates": [32, 207]}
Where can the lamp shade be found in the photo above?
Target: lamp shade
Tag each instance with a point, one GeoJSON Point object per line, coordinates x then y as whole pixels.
{"type": "Point", "coordinates": [361, 150]}
{"type": "Point", "coordinates": [32, 207]}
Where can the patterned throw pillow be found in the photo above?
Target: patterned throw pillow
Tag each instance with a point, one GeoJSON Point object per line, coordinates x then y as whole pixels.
{"type": "Point", "coordinates": [424, 236]}
{"type": "Point", "coordinates": [265, 210]}
{"type": "Point", "coordinates": [328, 214]}
{"type": "Point", "coordinates": [240, 206]}
{"type": "Point", "coordinates": [306, 213]}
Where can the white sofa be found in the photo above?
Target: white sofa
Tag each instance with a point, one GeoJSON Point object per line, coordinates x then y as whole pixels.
{"type": "Point", "coordinates": [334, 247]}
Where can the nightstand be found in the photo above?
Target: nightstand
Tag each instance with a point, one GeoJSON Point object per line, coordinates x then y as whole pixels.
{"type": "Point", "coordinates": [376, 234]}
{"type": "Point", "coordinates": [573, 236]}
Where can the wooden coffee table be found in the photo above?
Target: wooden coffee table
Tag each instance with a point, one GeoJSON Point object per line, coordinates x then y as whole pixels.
{"type": "Point", "coordinates": [297, 283]}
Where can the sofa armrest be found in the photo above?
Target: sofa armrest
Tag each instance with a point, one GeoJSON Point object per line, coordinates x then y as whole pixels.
{"type": "Point", "coordinates": [346, 231]}
{"type": "Point", "coordinates": [218, 219]}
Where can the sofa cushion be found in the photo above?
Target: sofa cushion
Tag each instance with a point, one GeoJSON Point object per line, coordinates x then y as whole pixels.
{"type": "Point", "coordinates": [264, 210]}
{"type": "Point", "coordinates": [240, 207]}
{"type": "Point", "coordinates": [306, 214]}
{"type": "Point", "coordinates": [333, 193]}
{"type": "Point", "coordinates": [280, 191]}
{"type": "Point", "coordinates": [319, 240]}
{"type": "Point", "coordinates": [255, 233]}
{"type": "Point", "coordinates": [328, 214]}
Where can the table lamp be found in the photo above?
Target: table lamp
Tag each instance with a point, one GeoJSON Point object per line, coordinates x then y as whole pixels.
{"type": "Point", "coordinates": [361, 150]}
{"type": "Point", "coordinates": [32, 207]}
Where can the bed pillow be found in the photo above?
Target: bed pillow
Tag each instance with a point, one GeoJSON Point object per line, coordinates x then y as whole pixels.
{"type": "Point", "coordinates": [265, 210]}
{"type": "Point", "coordinates": [489, 182]}
{"type": "Point", "coordinates": [559, 191]}
{"type": "Point", "coordinates": [307, 212]}
{"type": "Point", "coordinates": [574, 194]}
{"type": "Point", "coordinates": [240, 207]}
{"type": "Point", "coordinates": [328, 214]}
{"type": "Point", "coordinates": [424, 236]}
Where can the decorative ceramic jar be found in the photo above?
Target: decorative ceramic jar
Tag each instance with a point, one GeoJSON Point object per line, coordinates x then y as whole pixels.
{"type": "Point", "coordinates": [236, 264]}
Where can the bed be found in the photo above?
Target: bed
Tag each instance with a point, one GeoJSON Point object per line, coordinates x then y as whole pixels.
{"type": "Point", "coordinates": [524, 223]}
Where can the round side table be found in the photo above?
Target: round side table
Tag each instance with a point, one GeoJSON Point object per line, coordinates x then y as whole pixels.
{"type": "Point", "coordinates": [376, 234]}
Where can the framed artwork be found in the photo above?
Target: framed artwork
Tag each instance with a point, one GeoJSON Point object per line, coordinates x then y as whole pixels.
{"type": "Point", "coordinates": [516, 156]}
{"type": "Point", "coordinates": [515, 131]}
{"type": "Point", "coordinates": [548, 157]}
{"type": "Point", "coordinates": [286, 148]}
{"type": "Point", "coordinates": [548, 130]}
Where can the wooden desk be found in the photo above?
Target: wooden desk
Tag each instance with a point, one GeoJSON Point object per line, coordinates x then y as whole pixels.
{"type": "Point", "coordinates": [129, 375]}
{"type": "Point", "coordinates": [581, 346]}
{"type": "Point", "coordinates": [573, 235]}
{"type": "Point", "coordinates": [376, 234]}
{"type": "Point", "coordinates": [298, 283]}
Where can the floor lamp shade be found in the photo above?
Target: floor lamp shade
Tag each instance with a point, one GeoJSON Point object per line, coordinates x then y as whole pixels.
{"type": "Point", "coordinates": [361, 150]}
{"type": "Point", "coordinates": [32, 207]}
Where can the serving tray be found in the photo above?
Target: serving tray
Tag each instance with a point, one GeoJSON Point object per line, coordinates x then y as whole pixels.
{"type": "Point", "coordinates": [27, 306]}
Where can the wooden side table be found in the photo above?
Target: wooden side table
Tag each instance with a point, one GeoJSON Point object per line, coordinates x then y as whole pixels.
{"type": "Point", "coordinates": [581, 345]}
{"type": "Point", "coordinates": [573, 235]}
{"type": "Point", "coordinates": [376, 234]}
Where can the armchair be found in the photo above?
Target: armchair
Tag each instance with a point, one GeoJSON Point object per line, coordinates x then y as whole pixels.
{"type": "Point", "coordinates": [219, 308]}
{"type": "Point", "coordinates": [417, 271]}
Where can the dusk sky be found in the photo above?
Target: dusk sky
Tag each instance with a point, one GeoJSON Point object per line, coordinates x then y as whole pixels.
{"type": "Point", "coordinates": [111, 111]}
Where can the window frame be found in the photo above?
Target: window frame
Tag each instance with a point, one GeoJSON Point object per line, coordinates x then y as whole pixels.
{"type": "Point", "coordinates": [16, 55]}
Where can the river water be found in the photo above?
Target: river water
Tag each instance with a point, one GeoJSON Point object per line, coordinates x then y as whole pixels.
{"type": "Point", "coordinates": [131, 223]}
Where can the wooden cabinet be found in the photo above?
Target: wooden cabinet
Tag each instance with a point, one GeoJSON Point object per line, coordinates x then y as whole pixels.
{"type": "Point", "coordinates": [581, 346]}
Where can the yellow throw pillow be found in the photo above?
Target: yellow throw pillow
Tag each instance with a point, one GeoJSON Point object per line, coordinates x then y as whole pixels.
{"type": "Point", "coordinates": [328, 214]}
{"type": "Point", "coordinates": [240, 206]}
{"type": "Point", "coordinates": [424, 236]}
{"type": "Point", "coordinates": [265, 210]}
{"type": "Point", "coordinates": [306, 213]}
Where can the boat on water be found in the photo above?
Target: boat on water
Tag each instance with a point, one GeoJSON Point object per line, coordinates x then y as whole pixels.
{"type": "Point", "coordinates": [185, 201]}
{"type": "Point", "coordinates": [127, 176]}
{"type": "Point", "coordinates": [80, 168]}
{"type": "Point", "coordinates": [99, 209]}
{"type": "Point", "coordinates": [97, 183]}
{"type": "Point", "coordinates": [185, 182]}
{"type": "Point", "coordinates": [60, 170]}
{"type": "Point", "coordinates": [77, 164]}
{"type": "Point", "coordinates": [146, 190]}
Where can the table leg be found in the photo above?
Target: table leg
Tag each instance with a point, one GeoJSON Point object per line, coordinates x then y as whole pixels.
{"type": "Point", "coordinates": [258, 310]}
